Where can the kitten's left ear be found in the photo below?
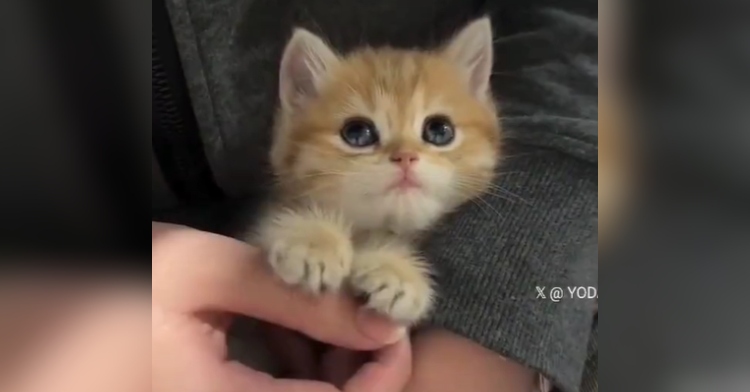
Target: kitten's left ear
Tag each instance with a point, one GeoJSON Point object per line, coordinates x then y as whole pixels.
{"type": "Point", "coordinates": [471, 50]}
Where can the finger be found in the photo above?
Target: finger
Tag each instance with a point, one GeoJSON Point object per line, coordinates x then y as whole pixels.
{"type": "Point", "coordinates": [239, 378]}
{"type": "Point", "coordinates": [338, 365]}
{"type": "Point", "coordinates": [294, 350]}
{"type": "Point", "coordinates": [194, 271]}
{"type": "Point", "coordinates": [389, 372]}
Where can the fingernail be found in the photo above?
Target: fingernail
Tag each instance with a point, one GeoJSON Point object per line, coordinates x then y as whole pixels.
{"type": "Point", "coordinates": [379, 328]}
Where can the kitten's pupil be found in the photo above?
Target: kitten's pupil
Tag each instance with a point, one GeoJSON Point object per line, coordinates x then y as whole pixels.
{"type": "Point", "coordinates": [359, 133]}
{"type": "Point", "coordinates": [438, 130]}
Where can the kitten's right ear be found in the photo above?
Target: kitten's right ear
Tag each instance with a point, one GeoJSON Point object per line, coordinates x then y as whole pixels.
{"type": "Point", "coordinates": [306, 61]}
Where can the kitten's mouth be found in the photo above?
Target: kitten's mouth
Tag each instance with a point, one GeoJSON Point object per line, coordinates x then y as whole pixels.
{"type": "Point", "coordinates": [405, 184]}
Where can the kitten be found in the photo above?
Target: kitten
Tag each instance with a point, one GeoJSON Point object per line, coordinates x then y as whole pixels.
{"type": "Point", "coordinates": [370, 150]}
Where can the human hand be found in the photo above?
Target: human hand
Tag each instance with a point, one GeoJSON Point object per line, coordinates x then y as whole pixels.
{"type": "Point", "coordinates": [197, 279]}
{"type": "Point", "coordinates": [445, 362]}
{"type": "Point", "coordinates": [219, 274]}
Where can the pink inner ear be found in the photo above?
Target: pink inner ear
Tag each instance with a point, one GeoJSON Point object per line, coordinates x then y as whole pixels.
{"type": "Point", "coordinates": [481, 70]}
{"type": "Point", "coordinates": [471, 49]}
{"type": "Point", "coordinates": [306, 59]}
{"type": "Point", "coordinates": [296, 78]}
{"type": "Point", "coordinates": [300, 75]}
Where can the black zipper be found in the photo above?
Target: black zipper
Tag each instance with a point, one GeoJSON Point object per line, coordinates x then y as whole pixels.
{"type": "Point", "coordinates": [175, 136]}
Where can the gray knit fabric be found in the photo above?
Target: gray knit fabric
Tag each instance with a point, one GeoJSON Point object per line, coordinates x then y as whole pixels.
{"type": "Point", "coordinates": [491, 259]}
{"type": "Point", "coordinates": [489, 256]}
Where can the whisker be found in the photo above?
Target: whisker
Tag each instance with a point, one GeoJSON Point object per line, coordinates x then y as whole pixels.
{"type": "Point", "coordinates": [502, 174]}
{"type": "Point", "coordinates": [480, 198]}
{"type": "Point", "coordinates": [310, 191]}
{"type": "Point", "coordinates": [500, 195]}
{"type": "Point", "coordinates": [506, 192]}
{"type": "Point", "coordinates": [471, 192]}
{"type": "Point", "coordinates": [519, 155]}
{"type": "Point", "coordinates": [469, 181]}
{"type": "Point", "coordinates": [481, 206]}
{"type": "Point", "coordinates": [350, 160]}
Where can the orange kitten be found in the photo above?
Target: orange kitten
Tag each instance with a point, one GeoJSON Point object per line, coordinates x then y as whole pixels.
{"type": "Point", "coordinates": [370, 149]}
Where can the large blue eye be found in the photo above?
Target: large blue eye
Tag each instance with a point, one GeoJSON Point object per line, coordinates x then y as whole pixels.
{"type": "Point", "coordinates": [438, 131]}
{"type": "Point", "coordinates": [360, 133]}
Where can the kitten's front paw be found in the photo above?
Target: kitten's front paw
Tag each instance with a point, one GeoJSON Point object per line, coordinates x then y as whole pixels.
{"type": "Point", "coordinates": [315, 258]}
{"type": "Point", "coordinates": [395, 284]}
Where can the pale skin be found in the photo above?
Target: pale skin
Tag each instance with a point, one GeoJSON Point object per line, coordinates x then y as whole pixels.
{"type": "Point", "coordinates": [103, 342]}
{"type": "Point", "coordinates": [444, 361]}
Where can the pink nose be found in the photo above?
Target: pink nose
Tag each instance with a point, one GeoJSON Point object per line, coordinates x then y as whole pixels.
{"type": "Point", "coordinates": [405, 158]}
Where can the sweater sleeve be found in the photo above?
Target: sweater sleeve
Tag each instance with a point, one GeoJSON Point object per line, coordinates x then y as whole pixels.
{"type": "Point", "coordinates": [539, 228]}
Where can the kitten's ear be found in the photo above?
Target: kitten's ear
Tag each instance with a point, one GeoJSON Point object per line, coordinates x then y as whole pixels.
{"type": "Point", "coordinates": [306, 61]}
{"type": "Point", "coordinates": [471, 49]}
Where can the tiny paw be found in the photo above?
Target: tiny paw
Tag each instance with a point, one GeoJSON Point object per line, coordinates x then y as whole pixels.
{"type": "Point", "coordinates": [316, 259]}
{"type": "Point", "coordinates": [394, 285]}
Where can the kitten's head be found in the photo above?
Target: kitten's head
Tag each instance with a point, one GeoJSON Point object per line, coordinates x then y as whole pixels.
{"type": "Point", "coordinates": [392, 138]}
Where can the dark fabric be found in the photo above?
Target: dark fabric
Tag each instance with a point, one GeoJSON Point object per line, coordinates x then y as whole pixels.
{"type": "Point", "coordinates": [491, 255]}
{"type": "Point", "coordinates": [175, 141]}
{"type": "Point", "coordinates": [590, 381]}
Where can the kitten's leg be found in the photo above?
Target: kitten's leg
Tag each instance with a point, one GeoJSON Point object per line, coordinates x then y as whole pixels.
{"type": "Point", "coordinates": [395, 281]}
{"type": "Point", "coordinates": [308, 247]}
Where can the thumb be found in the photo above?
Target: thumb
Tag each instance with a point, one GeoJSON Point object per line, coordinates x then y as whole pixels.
{"type": "Point", "coordinates": [388, 373]}
{"type": "Point", "coordinates": [238, 378]}
{"type": "Point", "coordinates": [195, 271]}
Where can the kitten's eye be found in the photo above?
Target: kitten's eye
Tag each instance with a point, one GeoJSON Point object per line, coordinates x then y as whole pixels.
{"type": "Point", "coordinates": [438, 130]}
{"type": "Point", "coordinates": [359, 132]}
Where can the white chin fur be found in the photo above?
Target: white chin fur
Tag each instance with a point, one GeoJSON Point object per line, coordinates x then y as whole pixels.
{"type": "Point", "coordinates": [366, 202]}
{"type": "Point", "coordinates": [401, 212]}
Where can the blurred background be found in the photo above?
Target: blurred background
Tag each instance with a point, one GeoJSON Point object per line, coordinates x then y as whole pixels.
{"type": "Point", "coordinates": [674, 165]}
{"type": "Point", "coordinates": [674, 187]}
{"type": "Point", "coordinates": [73, 126]}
